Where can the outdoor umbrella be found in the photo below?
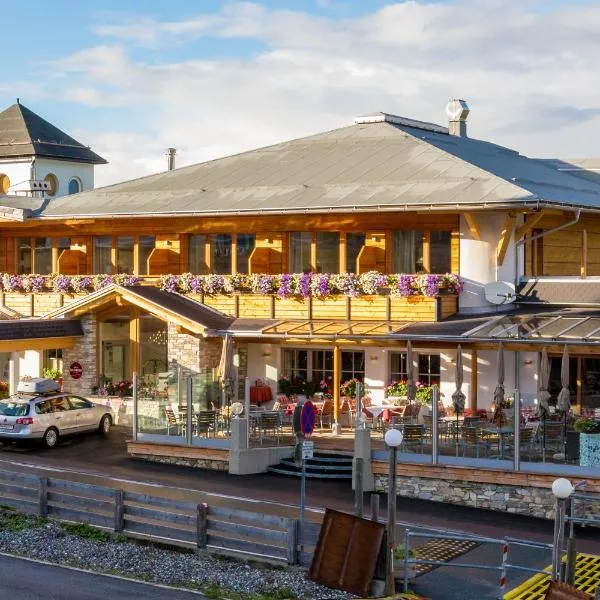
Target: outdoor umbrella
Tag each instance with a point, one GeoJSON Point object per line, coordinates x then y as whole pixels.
{"type": "Point", "coordinates": [564, 396]}
{"type": "Point", "coordinates": [224, 369]}
{"type": "Point", "coordinates": [458, 398]}
{"type": "Point", "coordinates": [543, 409]}
{"type": "Point", "coordinates": [411, 385]}
{"type": "Point", "coordinates": [499, 391]}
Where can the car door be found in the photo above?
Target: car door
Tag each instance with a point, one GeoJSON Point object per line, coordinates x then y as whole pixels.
{"type": "Point", "coordinates": [64, 417]}
{"type": "Point", "coordinates": [85, 414]}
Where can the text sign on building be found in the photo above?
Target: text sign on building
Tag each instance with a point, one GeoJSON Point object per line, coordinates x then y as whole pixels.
{"type": "Point", "coordinates": [75, 370]}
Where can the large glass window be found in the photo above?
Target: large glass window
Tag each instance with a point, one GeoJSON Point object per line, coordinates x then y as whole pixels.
{"type": "Point", "coordinates": [299, 252]}
{"type": "Point", "coordinates": [353, 365]}
{"type": "Point", "coordinates": [102, 251]}
{"type": "Point", "coordinates": [146, 244]}
{"type": "Point", "coordinates": [398, 367]}
{"type": "Point", "coordinates": [295, 364]}
{"type": "Point", "coordinates": [429, 369]}
{"type": "Point", "coordinates": [354, 244]}
{"type": "Point", "coordinates": [43, 256]}
{"type": "Point", "coordinates": [125, 254]}
{"type": "Point", "coordinates": [328, 252]}
{"type": "Point", "coordinates": [197, 254]}
{"type": "Point", "coordinates": [24, 255]}
{"type": "Point", "coordinates": [322, 365]}
{"type": "Point", "coordinates": [245, 246]}
{"type": "Point", "coordinates": [440, 252]}
{"type": "Point", "coordinates": [221, 254]}
{"type": "Point", "coordinates": [407, 251]}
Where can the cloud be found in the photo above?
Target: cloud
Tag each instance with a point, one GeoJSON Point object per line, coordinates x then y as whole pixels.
{"type": "Point", "coordinates": [528, 76]}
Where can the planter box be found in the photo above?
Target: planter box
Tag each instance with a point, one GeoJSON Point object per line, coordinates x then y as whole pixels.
{"type": "Point", "coordinates": [589, 450]}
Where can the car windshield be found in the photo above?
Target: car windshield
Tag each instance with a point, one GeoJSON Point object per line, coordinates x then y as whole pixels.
{"type": "Point", "coordinates": [14, 409]}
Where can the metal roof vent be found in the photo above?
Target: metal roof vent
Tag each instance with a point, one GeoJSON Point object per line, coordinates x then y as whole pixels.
{"type": "Point", "coordinates": [457, 111]}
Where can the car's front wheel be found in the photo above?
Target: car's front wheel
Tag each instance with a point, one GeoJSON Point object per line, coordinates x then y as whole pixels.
{"type": "Point", "coordinates": [50, 438]}
{"type": "Point", "coordinates": [105, 425]}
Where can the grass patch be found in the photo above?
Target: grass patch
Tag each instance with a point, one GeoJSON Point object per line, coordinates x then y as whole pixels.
{"type": "Point", "coordinates": [87, 532]}
{"type": "Point", "coordinates": [14, 521]}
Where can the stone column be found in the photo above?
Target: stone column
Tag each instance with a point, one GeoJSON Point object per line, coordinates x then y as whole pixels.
{"type": "Point", "coordinates": [84, 351]}
{"type": "Point", "coordinates": [191, 351]}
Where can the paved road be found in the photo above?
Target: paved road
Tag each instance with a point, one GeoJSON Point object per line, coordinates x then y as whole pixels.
{"type": "Point", "coordinates": [24, 580]}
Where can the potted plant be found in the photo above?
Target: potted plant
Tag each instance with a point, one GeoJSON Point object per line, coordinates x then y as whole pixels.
{"type": "Point", "coordinates": [589, 441]}
{"type": "Point", "coordinates": [55, 374]}
{"type": "Point", "coordinates": [397, 391]}
{"type": "Point", "coordinates": [399, 554]}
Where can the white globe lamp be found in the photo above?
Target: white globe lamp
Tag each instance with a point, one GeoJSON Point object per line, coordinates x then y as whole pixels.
{"type": "Point", "coordinates": [562, 488]}
{"type": "Point", "coordinates": [393, 438]}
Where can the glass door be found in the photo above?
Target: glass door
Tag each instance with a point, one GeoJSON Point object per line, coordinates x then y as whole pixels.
{"type": "Point", "coordinates": [113, 361]}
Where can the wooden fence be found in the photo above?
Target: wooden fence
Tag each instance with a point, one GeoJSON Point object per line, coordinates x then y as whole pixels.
{"type": "Point", "coordinates": [142, 516]}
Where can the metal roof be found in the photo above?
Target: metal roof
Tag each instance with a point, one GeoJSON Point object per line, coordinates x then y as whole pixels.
{"type": "Point", "coordinates": [25, 329]}
{"type": "Point", "coordinates": [23, 133]}
{"type": "Point", "coordinates": [380, 165]}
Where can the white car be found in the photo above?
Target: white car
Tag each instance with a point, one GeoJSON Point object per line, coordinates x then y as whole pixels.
{"type": "Point", "coordinates": [48, 416]}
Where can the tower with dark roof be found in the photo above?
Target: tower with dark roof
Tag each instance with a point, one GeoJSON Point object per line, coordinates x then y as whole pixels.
{"type": "Point", "coordinates": [34, 150]}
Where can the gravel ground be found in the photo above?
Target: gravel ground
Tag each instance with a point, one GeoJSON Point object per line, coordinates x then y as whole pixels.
{"type": "Point", "coordinates": [49, 541]}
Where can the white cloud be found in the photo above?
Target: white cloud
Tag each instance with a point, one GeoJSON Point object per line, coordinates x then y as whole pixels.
{"type": "Point", "coordinates": [528, 76]}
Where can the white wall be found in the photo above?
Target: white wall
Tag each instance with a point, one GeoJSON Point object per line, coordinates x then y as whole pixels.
{"type": "Point", "coordinates": [64, 171]}
{"type": "Point", "coordinates": [17, 171]}
{"type": "Point", "coordinates": [30, 363]}
{"type": "Point", "coordinates": [264, 364]}
{"type": "Point", "coordinates": [478, 264]}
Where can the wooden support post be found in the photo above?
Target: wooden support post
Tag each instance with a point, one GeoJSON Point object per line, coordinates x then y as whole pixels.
{"type": "Point", "coordinates": [134, 339]}
{"type": "Point", "coordinates": [337, 360]}
{"type": "Point", "coordinates": [234, 257]}
{"type": "Point", "coordinates": [579, 383]}
{"type": "Point", "coordinates": [136, 256]}
{"type": "Point", "coordinates": [474, 384]}
{"type": "Point", "coordinates": [119, 524]}
{"type": "Point", "coordinates": [375, 505]}
{"type": "Point", "coordinates": [584, 253]}
{"type": "Point", "coordinates": [202, 525]}
{"type": "Point", "coordinates": [43, 497]}
{"type": "Point", "coordinates": [292, 542]}
{"type": "Point", "coordinates": [427, 251]}
{"type": "Point", "coordinates": [313, 252]}
{"type": "Point", "coordinates": [505, 235]}
{"type": "Point", "coordinates": [55, 255]}
{"type": "Point", "coordinates": [472, 225]}
{"type": "Point", "coordinates": [342, 259]}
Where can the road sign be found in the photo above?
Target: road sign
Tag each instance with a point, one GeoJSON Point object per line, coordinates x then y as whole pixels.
{"type": "Point", "coordinates": [308, 450]}
{"type": "Point", "coordinates": [307, 418]}
{"type": "Point", "coordinates": [75, 370]}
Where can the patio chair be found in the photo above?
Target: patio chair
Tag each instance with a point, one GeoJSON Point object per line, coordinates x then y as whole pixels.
{"type": "Point", "coordinates": [326, 412]}
{"type": "Point", "coordinates": [270, 422]}
{"type": "Point", "coordinates": [527, 442]}
{"type": "Point", "coordinates": [554, 435]}
{"type": "Point", "coordinates": [471, 439]}
{"type": "Point", "coordinates": [206, 421]}
{"type": "Point", "coordinates": [173, 422]}
{"type": "Point", "coordinates": [413, 437]}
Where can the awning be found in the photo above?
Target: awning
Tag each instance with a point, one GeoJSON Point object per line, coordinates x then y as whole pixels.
{"type": "Point", "coordinates": [38, 334]}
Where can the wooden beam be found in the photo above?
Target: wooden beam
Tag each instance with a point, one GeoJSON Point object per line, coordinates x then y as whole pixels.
{"type": "Point", "coordinates": [530, 224]}
{"type": "Point", "coordinates": [426, 251]}
{"type": "Point", "coordinates": [343, 265]}
{"type": "Point", "coordinates": [474, 383]}
{"type": "Point", "coordinates": [584, 253]}
{"type": "Point", "coordinates": [36, 344]}
{"type": "Point", "coordinates": [337, 363]}
{"type": "Point", "coordinates": [134, 340]}
{"type": "Point", "coordinates": [473, 225]}
{"type": "Point", "coordinates": [505, 235]}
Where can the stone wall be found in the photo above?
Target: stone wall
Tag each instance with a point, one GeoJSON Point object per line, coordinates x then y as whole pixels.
{"type": "Point", "coordinates": [531, 501]}
{"type": "Point", "coordinates": [84, 352]}
{"type": "Point", "coordinates": [192, 351]}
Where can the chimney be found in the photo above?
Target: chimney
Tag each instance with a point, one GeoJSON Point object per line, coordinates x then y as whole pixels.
{"type": "Point", "coordinates": [457, 111]}
{"type": "Point", "coordinates": [171, 152]}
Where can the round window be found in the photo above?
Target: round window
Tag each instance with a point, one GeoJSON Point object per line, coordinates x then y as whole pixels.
{"type": "Point", "coordinates": [74, 186]}
{"type": "Point", "coordinates": [51, 179]}
{"type": "Point", "coordinates": [4, 183]}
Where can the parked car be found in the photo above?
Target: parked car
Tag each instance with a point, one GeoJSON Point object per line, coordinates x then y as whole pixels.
{"type": "Point", "coordinates": [37, 412]}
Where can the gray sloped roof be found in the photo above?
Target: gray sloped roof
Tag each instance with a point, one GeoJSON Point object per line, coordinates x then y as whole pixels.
{"type": "Point", "coordinates": [23, 133]}
{"type": "Point", "coordinates": [387, 164]}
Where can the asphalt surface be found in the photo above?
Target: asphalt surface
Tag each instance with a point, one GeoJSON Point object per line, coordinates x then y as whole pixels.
{"type": "Point", "coordinates": [25, 580]}
{"type": "Point", "coordinates": [92, 459]}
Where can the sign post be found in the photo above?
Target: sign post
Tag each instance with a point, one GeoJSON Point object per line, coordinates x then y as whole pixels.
{"type": "Point", "coordinates": [304, 424]}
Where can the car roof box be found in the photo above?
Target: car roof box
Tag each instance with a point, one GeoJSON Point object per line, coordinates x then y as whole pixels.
{"type": "Point", "coordinates": [37, 385]}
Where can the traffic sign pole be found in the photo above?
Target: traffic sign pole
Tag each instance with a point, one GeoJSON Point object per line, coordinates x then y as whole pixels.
{"type": "Point", "coordinates": [302, 505]}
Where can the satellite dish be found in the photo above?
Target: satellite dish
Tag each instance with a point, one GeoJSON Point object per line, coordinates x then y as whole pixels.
{"type": "Point", "coordinates": [237, 408]}
{"type": "Point", "coordinates": [499, 292]}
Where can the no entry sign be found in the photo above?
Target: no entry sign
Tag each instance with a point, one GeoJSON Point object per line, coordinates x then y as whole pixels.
{"type": "Point", "coordinates": [75, 370]}
{"type": "Point", "coordinates": [307, 418]}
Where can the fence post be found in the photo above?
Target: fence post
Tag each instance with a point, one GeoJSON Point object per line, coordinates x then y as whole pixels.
{"type": "Point", "coordinates": [202, 525]}
{"type": "Point", "coordinates": [358, 487]}
{"type": "Point", "coordinates": [43, 496]}
{"type": "Point", "coordinates": [119, 524]}
{"type": "Point", "coordinates": [292, 542]}
{"type": "Point", "coordinates": [503, 570]}
{"type": "Point", "coordinates": [375, 507]}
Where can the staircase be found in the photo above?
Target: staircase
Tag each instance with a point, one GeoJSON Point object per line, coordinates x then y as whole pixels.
{"type": "Point", "coordinates": [321, 466]}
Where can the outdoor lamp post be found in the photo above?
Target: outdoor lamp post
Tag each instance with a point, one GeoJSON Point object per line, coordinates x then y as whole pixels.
{"type": "Point", "coordinates": [561, 488]}
{"type": "Point", "coordinates": [393, 439]}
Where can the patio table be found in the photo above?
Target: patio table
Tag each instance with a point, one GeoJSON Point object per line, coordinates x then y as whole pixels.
{"type": "Point", "coordinates": [501, 432]}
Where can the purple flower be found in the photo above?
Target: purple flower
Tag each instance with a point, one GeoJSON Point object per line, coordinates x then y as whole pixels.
{"type": "Point", "coordinates": [196, 284]}
{"type": "Point", "coordinates": [406, 285]}
{"type": "Point", "coordinates": [285, 286]}
{"type": "Point", "coordinates": [304, 285]}
{"type": "Point", "coordinates": [170, 283]}
{"type": "Point", "coordinates": [62, 284]}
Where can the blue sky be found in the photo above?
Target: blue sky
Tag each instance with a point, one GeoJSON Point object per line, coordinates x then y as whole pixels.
{"type": "Point", "coordinates": [213, 78]}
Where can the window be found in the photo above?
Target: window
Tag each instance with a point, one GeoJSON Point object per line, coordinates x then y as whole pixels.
{"type": "Point", "coordinates": [429, 369]}
{"type": "Point", "coordinates": [74, 185]}
{"type": "Point", "coordinates": [60, 404]}
{"type": "Point", "coordinates": [78, 403]}
{"type": "Point", "coordinates": [295, 364]}
{"type": "Point", "coordinates": [34, 255]}
{"type": "Point", "coordinates": [353, 365]}
{"type": "Point", "coordinates": [44, 407]}
{"type": "Point", "coordinates": [245, 246]}
{"type": "Point", "coordinates": [53, 359]}
{"type": "Point", "coordinates": [398, 367]}
{"type": "Point", "coordinates": [4, 183]}
{"type": "Point", "coordinates": [354, 244]}
{"type": "Point", "coordinates": [407, 251]}
{"type": "Point", "coordinates": [440, 252]}
{"type": "Point", "coordinates": [299, 252]}
{"type": "Point", "coordinates": [53, 183]}
{"type": "Point", "coordinates": [322, 365]}
{"type": "Point", "coordinates": [197, 254]}
{"type": "Point", "coordinates": [9, 408]}
{"type": "Point", "coordinates": [328, 252]}
{"type": "Point", "coordinates": [125, 255]}
{"type": "Point", "coordinates": [146, 243]}
{"type": "Point", "coordinates": [63, 244]}
{"type": "Point", "coordinates": [221, 254]}
{"type": "Point", "coordinates": [102, 252]}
